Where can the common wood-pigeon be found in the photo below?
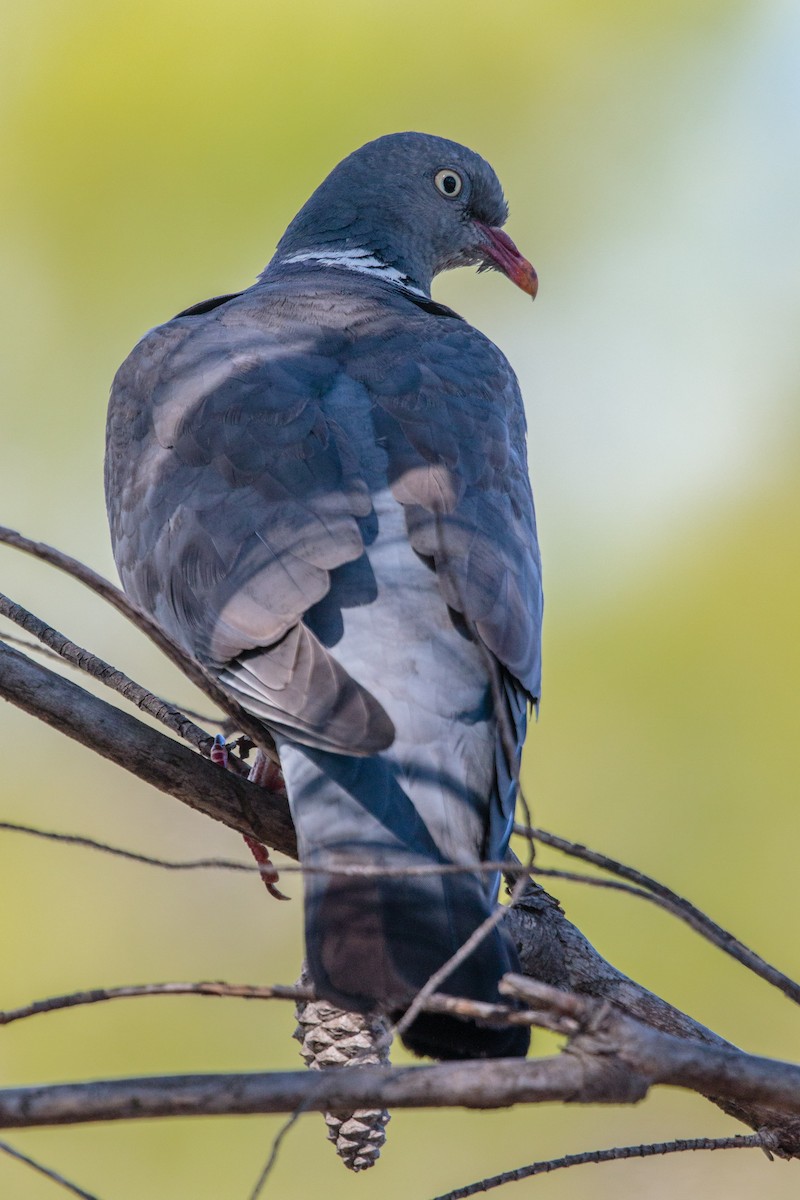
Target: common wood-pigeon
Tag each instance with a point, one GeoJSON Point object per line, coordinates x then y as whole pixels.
{"type": "Point", "coordinates": [318, 486]}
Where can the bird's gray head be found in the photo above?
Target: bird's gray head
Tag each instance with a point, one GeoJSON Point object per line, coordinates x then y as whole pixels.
{"type": "Point", "coordinates": [411, 202]}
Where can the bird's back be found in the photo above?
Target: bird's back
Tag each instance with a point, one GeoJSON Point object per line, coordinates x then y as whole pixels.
{"type": "Point", "coordinates": [323, 496]}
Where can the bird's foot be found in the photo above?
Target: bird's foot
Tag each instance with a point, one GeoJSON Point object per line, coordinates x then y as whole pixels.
{"type": "Point", "coordinates": [268, 775]}
{"type": "Point", "coordinates": [219, 751]}
{"type": "Point", "coordinates": [268, 870]}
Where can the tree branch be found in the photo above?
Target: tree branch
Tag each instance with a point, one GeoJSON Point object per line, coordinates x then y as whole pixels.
{"type": "Point", "coordinates": [616, 1154]}
{"type": "Point", "coordinates": [679, 905]}
{"type": "Point", "coordinates": [551, 948]}
{"type": "Point", "coordinates": [214, 988]}
{"type": "Point", "coordinates": [118, 681]}
{"type": "Point", "coordinates": [610, 1058]}
{"type": "Point", "coordinates": [192, 669]}
{"type": "Point", "coordinates": [158, 760]}
{"type": "Point", "coordinates": [598, 1029]}
{"type": "Point", "coordinates": [47, 1172]}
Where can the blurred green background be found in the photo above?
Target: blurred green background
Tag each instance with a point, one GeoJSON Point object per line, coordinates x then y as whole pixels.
{"type": "Point", "coordinates": [151, 156]}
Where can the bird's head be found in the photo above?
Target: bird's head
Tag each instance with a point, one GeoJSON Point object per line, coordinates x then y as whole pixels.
{"type": "Point", "coordinates": [418, 203]}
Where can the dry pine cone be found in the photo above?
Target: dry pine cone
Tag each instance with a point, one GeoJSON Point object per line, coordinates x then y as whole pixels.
{"type": "Point", "coordinates": [330, 1037]}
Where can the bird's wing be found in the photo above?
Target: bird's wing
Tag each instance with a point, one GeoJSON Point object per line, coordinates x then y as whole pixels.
{"type": "Point", "coordinates": [231, 501]}
{"type": "Point", "coordinates": [233, 496]}
{"type": "Point", "coordinates": [449, 411]}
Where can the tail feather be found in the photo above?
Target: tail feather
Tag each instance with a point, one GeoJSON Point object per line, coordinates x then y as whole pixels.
{"type": "Point", "coordinates": [375, 942]}
{"type": "Point", "coordinates": [372, 941]}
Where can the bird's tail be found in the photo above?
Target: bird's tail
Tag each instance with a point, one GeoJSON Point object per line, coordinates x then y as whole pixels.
{"type": "Point", "coordinates": [375, 941]}
{"type": "Point", "coordinates": [384, 908]}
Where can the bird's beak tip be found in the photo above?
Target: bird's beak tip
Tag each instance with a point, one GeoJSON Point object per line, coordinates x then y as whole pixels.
{"type": "Point", "coordinates": [500, 252]}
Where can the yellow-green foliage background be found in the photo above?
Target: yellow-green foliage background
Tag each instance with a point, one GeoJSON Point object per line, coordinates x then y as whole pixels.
{"type": "Point", "coordinates": [150, 156]}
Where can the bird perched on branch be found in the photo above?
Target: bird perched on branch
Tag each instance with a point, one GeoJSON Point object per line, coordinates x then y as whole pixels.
{"type": "Point", "coordinates": [318, 486]}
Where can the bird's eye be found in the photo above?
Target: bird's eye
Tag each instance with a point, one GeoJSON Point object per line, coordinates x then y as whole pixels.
{"type": "Point", "coordinates": [448, 182]}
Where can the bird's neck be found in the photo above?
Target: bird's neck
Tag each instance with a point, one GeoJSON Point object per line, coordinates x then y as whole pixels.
{"type": "Point", "coordinates": [356, 259]}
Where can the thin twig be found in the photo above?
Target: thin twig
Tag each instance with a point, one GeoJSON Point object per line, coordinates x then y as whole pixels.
{"type": "Point", "coordinates": [274, 1151]}
{"type": "Point", "coordinates": [739, 1142]}
{"type": "Point", "coordinates": [149, 860]}
{"type": "Point", "coordinates": [38, 648]}
{"type": "Point", "coordinates": [614, 885]}
{"type": "Point", "coordinates": [117, 599]}
{"type": "Point", "coordinates": [352, 870]}
{"type": "Point", "coordinates": [456, 1006]}
{"type": "Point", "coordinates": [475, 938]}
{"type": "Point", "coordinates": [43, 1170]}
{"type": "Point", "coordinates": [447, 968]}
{"type": "Point", "coordinates": [214, 988]}
{"type": "Point", "coordinates": [275, 1148]}
{"type": "Point", "coordinates": [693, 916]}
{"type": "Point", "coordinates": [118, 681]}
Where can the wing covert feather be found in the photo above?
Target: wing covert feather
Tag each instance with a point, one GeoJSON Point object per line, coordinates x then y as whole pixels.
{"type": "Point", "coordinates": [232, 509]}
{"type": "Point", "coordinates": [450, 414]}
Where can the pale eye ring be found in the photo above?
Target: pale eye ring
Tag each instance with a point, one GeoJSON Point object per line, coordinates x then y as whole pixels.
{"type": "Point", "coordinates": [448, 182]}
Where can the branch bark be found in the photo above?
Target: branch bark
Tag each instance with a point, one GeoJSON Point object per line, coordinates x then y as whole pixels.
{"type": "Point", "coordinates": [146, 753]}
{"type": "Point", "coordinates": [616, 1154]}
{"type": "Point", "coordinates": [551, 949]}
{"type": "Point", "coordinates": [678, 905]}
{"type": "Point", "coordinates": [192, 669]}
{"type": "Point", "coordinates": [610, 1058]}
{"type": "Point", "coordinates": [118, 681]}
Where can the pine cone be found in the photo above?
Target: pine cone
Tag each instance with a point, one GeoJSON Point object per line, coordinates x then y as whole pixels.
{"type": "Point", "coordinates": [328, 1038]}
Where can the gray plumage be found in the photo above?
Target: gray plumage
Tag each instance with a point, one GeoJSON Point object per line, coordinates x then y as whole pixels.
{"type": "Point", "coordinates": [319, 487]}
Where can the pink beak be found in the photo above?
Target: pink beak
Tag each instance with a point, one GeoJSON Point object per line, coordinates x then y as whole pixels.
{"type": "Point", "coordinates": [498, 248]}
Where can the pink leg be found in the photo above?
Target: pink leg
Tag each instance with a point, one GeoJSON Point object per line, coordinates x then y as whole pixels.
{"type": "Point", "coordinates": [266, 774]}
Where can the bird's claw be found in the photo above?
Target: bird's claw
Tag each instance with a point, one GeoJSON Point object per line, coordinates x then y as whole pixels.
{"type": "Point", "coordinates": [268, 870]}
{"type": "Point", "coordinates": [219, 751]}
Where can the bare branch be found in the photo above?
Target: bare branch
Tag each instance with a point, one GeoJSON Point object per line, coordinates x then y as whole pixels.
{"type": "Point", "coordinates": [659, 1057]}
{"type": "Point", "coordinates": [613, 885]}
{"type": "Point", "coordinates": [456, 1006]}
{"type": "Point", "coordinates": [275, 1150]}
{"type": "Point", "coordinates": [490, 1084]}
{"type": "Point", "coordinates": [683, 908]}
{"type": "Point", "coordinates": [117, 599]}
{"type": "Point", "coordinates": [708, 1066]}
{"type": "Point", "coordinates": [751, 1141]}
{"type": "Point", "coordinates": [153, 757]}
{"type": "Point", "coordinates": [554, 951]}
{"type": "Point", "coordinates": [47, 1171]}
{"type": "Point", "coordinates": [214, 988]}
{"type": "Point", "coordinates": [148, 860]}
{"type": "Point", "coordinates": [551, 948]}
{"type": "Point", "coordinates": [611, 1059]}
{"type": "Point", "coordinates": [115, 679]}
{"type": "Point", "coordinates": [351, 870]}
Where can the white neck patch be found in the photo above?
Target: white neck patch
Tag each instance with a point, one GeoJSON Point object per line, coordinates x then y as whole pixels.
{"type": "Point", "coordinates": [361, 261]}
